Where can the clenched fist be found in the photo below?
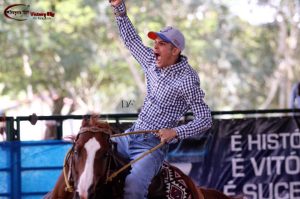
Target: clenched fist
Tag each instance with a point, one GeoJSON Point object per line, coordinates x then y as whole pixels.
{"type": "Point", "coordinates": [115, 3]}
{"type": "Point", "coordinates": [166, 135]}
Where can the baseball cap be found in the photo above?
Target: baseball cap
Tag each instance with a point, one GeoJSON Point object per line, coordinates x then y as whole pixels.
{"type": "Point", "coordinates": [170, 35]}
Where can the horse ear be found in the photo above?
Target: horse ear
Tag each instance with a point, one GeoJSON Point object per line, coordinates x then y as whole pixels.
{"type": "Point", "coordinates": [85, 121]}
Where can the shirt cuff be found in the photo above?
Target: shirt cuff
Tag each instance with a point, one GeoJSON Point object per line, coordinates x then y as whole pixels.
{"type": "Point", "coordinates": [180, 132]}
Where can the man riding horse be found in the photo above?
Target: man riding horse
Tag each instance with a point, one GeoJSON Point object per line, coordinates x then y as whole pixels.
{"type": "Point", "coordinates": [173, 88]}
{"type": "Point", "coordinates": [93, 170]}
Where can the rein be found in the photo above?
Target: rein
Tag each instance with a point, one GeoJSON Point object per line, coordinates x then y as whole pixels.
{"type": "Point", "coordinates": [83, 130]}
{"type": "Point", "coordinates": [134, 132]}
{"type": "Point", "coordinates": [114, 174]}
{"type": "Point", "coordinates": [69, 188]}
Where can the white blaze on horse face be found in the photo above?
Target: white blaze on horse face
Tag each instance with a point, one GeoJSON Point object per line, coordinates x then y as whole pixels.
{"type": "Point", "coordinates": [86, 178]}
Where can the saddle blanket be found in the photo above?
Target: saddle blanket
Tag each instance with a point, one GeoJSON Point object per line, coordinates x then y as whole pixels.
{"type": "Point", "coordinates": [175, 185]}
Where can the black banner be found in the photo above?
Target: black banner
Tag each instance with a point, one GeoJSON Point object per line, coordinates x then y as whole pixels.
{"type": "Point", "coordinates": [256, 157]}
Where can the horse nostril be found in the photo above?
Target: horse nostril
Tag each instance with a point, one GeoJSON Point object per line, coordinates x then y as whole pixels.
{"type": "Point", "coordinates": [82, 197]}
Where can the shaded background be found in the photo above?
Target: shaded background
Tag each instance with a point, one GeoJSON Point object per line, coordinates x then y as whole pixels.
{"type": "Point", "coordinates": [245, 52]}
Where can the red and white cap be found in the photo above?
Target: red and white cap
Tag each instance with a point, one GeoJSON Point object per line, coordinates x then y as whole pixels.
{"type": "Point", "coordinates": [170, 35]}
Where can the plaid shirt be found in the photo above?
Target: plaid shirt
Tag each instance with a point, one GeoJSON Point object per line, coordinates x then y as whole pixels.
{"type": "Point", "coordinates": [171, 92]}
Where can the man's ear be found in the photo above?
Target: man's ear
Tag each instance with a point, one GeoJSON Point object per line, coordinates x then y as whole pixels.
{"type": "Point", "coordinates": [176, 51]}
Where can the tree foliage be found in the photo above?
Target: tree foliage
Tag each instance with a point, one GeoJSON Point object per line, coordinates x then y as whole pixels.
{"type": "Point", "coordinates": [78, 54]}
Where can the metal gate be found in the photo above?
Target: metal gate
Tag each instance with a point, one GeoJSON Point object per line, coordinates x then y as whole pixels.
{"type": "Point", "coordinates": [30, 169]}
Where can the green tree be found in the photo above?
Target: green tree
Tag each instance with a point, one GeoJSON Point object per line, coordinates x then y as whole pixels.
{"type": "Point", "coordinates": [78, 54]}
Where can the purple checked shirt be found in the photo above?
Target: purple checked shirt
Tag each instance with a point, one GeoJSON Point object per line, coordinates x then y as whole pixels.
{"type": "Point", "coordinates": [171, 92]}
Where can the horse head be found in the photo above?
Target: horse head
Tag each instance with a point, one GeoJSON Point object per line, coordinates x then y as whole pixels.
{"type": "Point", "coordinates": [89, 157]}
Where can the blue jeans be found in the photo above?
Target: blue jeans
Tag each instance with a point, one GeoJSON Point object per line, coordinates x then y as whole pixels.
{"type": "Point", "coordinates": [142, 172]}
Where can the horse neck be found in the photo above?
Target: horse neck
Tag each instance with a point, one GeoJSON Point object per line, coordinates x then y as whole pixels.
{"type": "Point", "coordinates": [111, 189]}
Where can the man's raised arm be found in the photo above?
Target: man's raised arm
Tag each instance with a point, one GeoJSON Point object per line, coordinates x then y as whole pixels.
{"type": "Point", "coordinates": [129, 35]}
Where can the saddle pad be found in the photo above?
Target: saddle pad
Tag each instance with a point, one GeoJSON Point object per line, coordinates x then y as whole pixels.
{"type": "Point", "coordinates": [174, 183]}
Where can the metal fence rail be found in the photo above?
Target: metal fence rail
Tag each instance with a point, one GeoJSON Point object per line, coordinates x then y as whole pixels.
{"type": "Point", "coordinates": [13, 124]}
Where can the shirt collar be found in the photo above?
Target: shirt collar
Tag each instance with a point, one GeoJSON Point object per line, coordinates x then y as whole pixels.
{"type": "Point", "coordinates": [175, 68]}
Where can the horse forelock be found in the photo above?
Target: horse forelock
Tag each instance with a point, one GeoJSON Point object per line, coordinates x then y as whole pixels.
{"type": "Point", "coordinates": [94, 121]}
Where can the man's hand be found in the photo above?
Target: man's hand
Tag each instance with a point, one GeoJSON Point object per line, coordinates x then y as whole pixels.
{"type": "Point", "coordinates": [115, 3]}
{"type": "Point", "coordinates": [166, 135]}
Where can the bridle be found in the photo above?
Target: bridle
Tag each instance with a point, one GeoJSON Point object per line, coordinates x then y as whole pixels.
{"type": "Point", "coordinates": [83, 130]}
{"type": "Point", "coordinates": [68, 177]}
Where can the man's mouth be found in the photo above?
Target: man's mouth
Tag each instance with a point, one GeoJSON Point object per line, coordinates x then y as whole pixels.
{"type": "Point", "coordinates": [157, 56]}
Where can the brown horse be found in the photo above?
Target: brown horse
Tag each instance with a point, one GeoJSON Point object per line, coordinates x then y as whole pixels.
{"type": "Point", "coordinates": [92, 159]}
